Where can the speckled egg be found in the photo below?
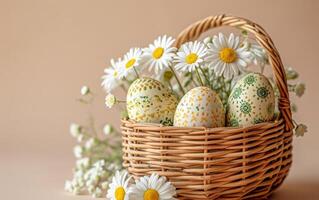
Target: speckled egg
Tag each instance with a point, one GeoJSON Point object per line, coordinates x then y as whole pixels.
{"type": "Point", "coordinates": [149, 101]}
{"type": "Point", "coordinates": [251, 101]}
{"type": "Point", "coordinates": [200, 106]}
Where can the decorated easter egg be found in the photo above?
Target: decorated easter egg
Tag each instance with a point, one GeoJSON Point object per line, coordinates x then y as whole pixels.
{"type": "Point", "coordinates": [251, 101]}
{"type": "Point", "coordinates": [200, 106]}
{"type": "Point", "coordinates": [149, 101]}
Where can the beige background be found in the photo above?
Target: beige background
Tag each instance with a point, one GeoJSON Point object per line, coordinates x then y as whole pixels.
{"type": "Point", "coordinates": [49, 49]}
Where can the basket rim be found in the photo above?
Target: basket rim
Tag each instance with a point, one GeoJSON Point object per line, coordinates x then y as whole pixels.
{"type": "Point", "coordinates": [147, 126]}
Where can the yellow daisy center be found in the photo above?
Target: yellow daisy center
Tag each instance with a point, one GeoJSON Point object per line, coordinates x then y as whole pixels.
{"type": "Point", "coordinates": [158, 52]}
{"type": "Point", "coordinates": [130, 63]}
{"type": "Point", "coordinates": [115, 73]}
{"type": "Point", "coordinates": [191, 58]}
{"type": "Point", "coordinates": [119, 193]}
{"type": "Point", "coordinates": [228, 55]}
{"type": "Point", "coordinates": [151, 194]}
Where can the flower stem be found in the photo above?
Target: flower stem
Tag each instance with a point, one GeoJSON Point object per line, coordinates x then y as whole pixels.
{"type": "Point", "coordinates": [178, 82]}
{"type": "Point", "coordinates": [137, 75]}
{"type": "Point", "coordinates": [170, 85]}
{"type": "Point", "coordinates": [262, 68]}
{"type": "Point", "coordinates": [206, 78]}
{"type": "Point", "coordinates": [198, 76]}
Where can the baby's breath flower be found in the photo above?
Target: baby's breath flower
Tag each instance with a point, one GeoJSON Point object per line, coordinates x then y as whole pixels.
{"type": "Point", "coordinates": [300, 130]}
{"type": "Point", "coordinates": [107, 129]}
{"type": "Point", "coordinates": [85, 90]}
{"type": "Point", "coordinates": [92, 182]}
{"type": "Point", "coordinates": [80, 138]}
{"type": "Point", "coordinates": [75, 129]}
{"type": "Point", "coordinates": [110, 100]}
{"type": "Point", "coordinates": [291, 74]}
{"type": "Point", "coordinates": [97, 193]}
{"type": "Point", "coordinates": [83, 163]}
{"type": "Point", "coordinates": [300, 89]}
{"type": "Point", "coordinates": [91, 189]}
{"type": "Point", "coordinates": [78, 174]}
{"type": "Point", "coordinates": [92, 142]}
{"type": "Point", "coordinates": [68, 186]}
{"type": "Point", "coordinates": [78, 151]}
{"type": "Point", "coordinates": [105, 185]}
{"type": "Point", "coordinates": [76, 191]}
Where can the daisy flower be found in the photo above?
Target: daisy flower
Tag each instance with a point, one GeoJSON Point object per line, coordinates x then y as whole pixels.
{"type": "Point", "coordinates": [130, 62]}
{"type": "Point", "coordinates": [226, 56]}
{"type": "Point", "coordinates": [118, 189]}
{"type": "Point", "coordinates": [160, 54]}
{"type": "Point", "coordinates": [152, 188]}
{"type": "Point", "coordinates": [190, 56]}
{"type": "Point", "coordinates": [111, 76]}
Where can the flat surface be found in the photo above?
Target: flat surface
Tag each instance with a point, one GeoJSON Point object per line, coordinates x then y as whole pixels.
{"type": "Point", "coordinates": [50, 48]}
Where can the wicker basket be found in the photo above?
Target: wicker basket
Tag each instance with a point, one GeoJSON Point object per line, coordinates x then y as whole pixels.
{"type": "Point", "coordinates": [217, 163]}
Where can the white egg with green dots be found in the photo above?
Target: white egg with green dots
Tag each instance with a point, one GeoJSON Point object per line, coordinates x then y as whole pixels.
{"type": "Point", "coordinates": [251, 101]}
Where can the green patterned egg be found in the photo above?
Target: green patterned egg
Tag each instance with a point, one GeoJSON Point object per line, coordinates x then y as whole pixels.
{"type": "Point", "coordinates": [200, 106]}
{"type": "Point", "coordinates": [149, 101]}
{"type": "Point", "coordinates": [251, 101]}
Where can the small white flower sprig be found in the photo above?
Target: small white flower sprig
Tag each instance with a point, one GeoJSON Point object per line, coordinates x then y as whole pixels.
{"type": "Point", "coordinates": [152, 187]}
{"type": "Point", "coordinates": [98, 156]}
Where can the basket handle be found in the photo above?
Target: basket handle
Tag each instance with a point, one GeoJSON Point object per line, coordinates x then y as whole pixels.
{"type": "Point", "coordinates": [195, 30]}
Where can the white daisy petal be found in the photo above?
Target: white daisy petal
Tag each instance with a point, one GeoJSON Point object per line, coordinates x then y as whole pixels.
{"type": "Point", "coordinates": [216, 43]}
{"type": "Point", "coordinates": [222, 40]}
{"type": "Point", "coordinates": [231, 40]}
{"type": "Point", "coordinates": [257, 53]}
{"type": "Point", "coordinates": [111, 78]}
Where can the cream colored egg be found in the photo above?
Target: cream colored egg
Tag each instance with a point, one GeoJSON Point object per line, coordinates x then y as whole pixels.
{"type": "Point", "coordinates": [149, 101]}
{"type": "Point", "coordinates": [200, 106]}
{"type": "Point", "coordinates": [251, 101]}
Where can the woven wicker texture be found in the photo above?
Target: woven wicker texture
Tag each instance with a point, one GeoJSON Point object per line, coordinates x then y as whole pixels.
{"type": "Point", "coordinates": [217, 163]}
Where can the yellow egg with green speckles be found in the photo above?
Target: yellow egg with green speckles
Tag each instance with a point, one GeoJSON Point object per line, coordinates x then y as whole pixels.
{"type": "Point", "coordinates": [149, 101]}
{"type": "Point", "coordinates": [200, 107]}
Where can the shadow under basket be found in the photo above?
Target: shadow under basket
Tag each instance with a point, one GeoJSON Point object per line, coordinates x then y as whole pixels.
{"type": "Point", "coordinates": [217, 163]}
